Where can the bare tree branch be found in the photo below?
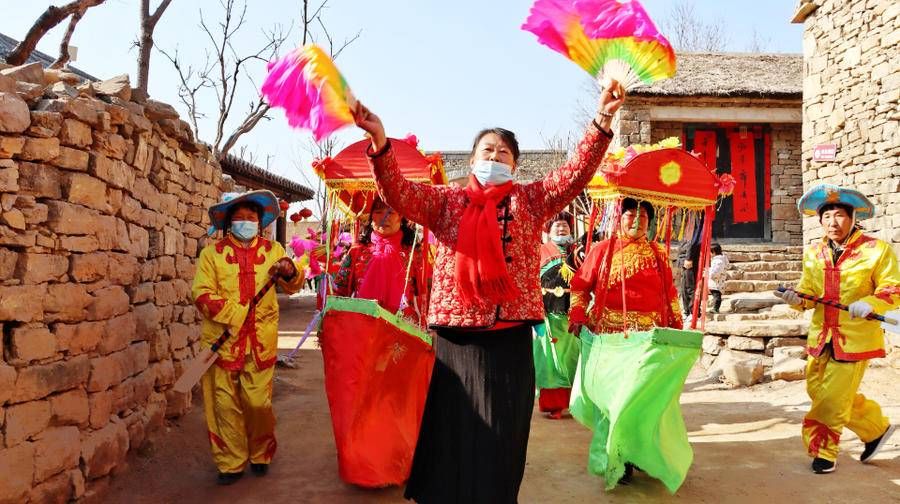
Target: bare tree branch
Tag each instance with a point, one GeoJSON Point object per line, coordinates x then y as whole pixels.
{"type": "Point", "coordinates": [229, 70]}
{"type": "Point", "coordinates": [758, 43]}
{"type": "Point", "coordinates": [189, 87]}
{"type": "Point", "coordinates": [44, 23]}
{"type": "Point", "coordinates": [64, 45]}
{"type": "Point", "coordinates": [687, 31]}
{"type": "Point", "coordinates": [145, 43]}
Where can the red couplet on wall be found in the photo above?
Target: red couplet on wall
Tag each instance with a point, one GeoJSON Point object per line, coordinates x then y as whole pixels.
{"type": "Point", "coordinates": [743, 169]}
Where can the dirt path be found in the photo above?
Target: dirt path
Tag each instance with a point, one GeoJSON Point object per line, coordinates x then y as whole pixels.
{"type": "Point", "coordinates": [747, 449]}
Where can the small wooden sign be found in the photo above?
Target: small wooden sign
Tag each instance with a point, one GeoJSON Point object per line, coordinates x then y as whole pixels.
{"type": "Point", "coordinates": [824, 152]}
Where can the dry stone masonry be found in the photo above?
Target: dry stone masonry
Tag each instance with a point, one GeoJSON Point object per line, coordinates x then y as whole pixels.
{"type": "Point", "coordinates": [102, 212]}
{"type": "Point", "coordinates": [851, 99]}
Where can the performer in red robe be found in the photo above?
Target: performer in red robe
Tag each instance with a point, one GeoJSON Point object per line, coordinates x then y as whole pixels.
{"type": "Point", "coordinates": [647, 299]}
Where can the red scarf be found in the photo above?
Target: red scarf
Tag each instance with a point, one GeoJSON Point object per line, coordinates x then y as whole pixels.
{"type": "Point", "coordinates": [480, 264]}
{"type": "Point", "coordinates": [385, 275]}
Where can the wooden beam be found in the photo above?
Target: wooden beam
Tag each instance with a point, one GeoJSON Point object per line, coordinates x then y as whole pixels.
{"type": "Point", "coordinates": [727, 114]}
{"type": "Point", "coordinates": [805, 8]}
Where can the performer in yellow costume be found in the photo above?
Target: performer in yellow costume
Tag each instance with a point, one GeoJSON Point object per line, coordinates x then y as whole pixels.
{"type": "Point", "coordinates": [854, 269]}
{"type": "Point", "coordinates": [237, 390]}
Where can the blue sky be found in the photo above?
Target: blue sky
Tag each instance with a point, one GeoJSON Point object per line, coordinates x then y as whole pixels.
{"type": "Point", "coordinates": [439, 69]}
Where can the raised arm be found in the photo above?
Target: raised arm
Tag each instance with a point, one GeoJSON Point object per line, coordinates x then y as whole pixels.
{"type": "Point", "coordinates": [419, 203]}
{"type": "Point", "coordinates": [557, 189]}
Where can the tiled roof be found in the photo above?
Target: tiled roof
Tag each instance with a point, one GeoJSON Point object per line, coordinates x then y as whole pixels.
{"type": "Point", "coordinates": [254, 177]}
{"type": "Point", "coordinates": [7, 44]}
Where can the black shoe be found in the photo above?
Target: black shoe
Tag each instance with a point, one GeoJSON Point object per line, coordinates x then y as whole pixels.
{"type": "Point", "coordinates": [822, 466]}
{"type": "Point", "coordinates": [259, 469]}
{"type": "Point", "coordinates": [229, 478]}
{"type": "Point", "coordinates": [628, 476]}
{"type": "Point", "coordinates": [873, 446]}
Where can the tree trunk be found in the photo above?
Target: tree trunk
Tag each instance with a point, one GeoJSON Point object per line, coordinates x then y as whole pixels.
{"type": "Point", "coordinates": [144, 58]}
{"type": "Point", "coordinates": [148, 24]}
{"type": "Point", "coordinates": [46, 22]}
{"type": "Point", "coordinates": [64, 45]}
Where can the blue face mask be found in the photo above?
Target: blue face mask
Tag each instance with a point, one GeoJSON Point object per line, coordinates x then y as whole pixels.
{"type": "Point", "coordinates": [244, 230]}
{"type": "Point", "coordinates": [491, 172]}
{"type": "Point", "coordinates": [562, 240]}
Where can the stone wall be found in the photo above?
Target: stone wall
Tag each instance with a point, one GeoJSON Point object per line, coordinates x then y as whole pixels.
{"type": "Point", "coordinates": [787, 183]}
{"type": "Point", "coordinates": [851, 92]}
{"type": "Point", "coordinates": [634, 125]}
{"type": "Point", "coordinates": [103, 212]}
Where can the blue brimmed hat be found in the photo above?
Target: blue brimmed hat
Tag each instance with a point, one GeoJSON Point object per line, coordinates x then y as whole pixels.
{"type": "Point", "coordinates": [826, 194]}
{"type": "Point", "coordinates": [265, 199]}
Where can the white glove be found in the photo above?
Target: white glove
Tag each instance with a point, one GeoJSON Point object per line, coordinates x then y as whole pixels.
{"type": "Point", "coordinates": [859, 309]}
{"type": "Point", "coordinates": [789, 296]}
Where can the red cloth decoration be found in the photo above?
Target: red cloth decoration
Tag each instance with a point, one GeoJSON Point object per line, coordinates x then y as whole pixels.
{"type": "Point", "coordinates": [705, 144]}
{"type": "Point", "coordinates": [767, 178]}
{"type": "Point", "coordinates": [743, 168]}
{"type": "Point", "coordinates": [376, 380]}
{"type": "Point", "coordinates": [480, 264]}
{"type": "Point", "coordinates": [385, 276]}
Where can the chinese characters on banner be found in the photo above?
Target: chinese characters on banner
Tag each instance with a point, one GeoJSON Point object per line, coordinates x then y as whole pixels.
{"type": "Point", "coordinates": [743, 169]}
{"type": "Point", "coordinates": [705, 145]}
{"type": "Point", "coordinates": [767, 182]}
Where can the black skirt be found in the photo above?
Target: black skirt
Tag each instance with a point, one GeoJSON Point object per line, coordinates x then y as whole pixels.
{"type": "Point", "coordinates": [474, 433]}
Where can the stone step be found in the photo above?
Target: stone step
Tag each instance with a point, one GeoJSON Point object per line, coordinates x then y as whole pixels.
{"type": "Point", "coordinates": [764, 314]}
{"type": "Point", "coordinates": [763, 275]}
{"type": "Point", "coordinates": [784, 310]}
{"type": "Point", "coordinates": [732, 286]}
{"type": "Point", "coordinates": [767, 266]}
{"type": "Point", "coordinates": [743, 257]}
{"type": "Point", "coordinates": [782, 328]}
{"type": "Point", "coordinates": [762, 247]}
{"type": "Point", "coordinates": [748, 302]}
{"type": "Point", "coordinates": [739, 317]}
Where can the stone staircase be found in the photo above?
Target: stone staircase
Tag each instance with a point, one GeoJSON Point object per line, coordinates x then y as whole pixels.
{"type": "Point", "coordinates": [762, 267]}
{"type": "Point", "coordinates": [756, 337]}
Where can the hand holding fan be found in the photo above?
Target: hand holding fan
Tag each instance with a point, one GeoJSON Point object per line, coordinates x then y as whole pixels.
{"type": "Point", "coordinates": [610, 39]}
{"type": "Point", "coordinates": [311, 90]}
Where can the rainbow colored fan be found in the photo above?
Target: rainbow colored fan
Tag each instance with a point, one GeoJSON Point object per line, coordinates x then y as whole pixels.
{"type": "Point", "coordinates": [311, 90]}
{"type": "Point", "coordinates": [610, 39]}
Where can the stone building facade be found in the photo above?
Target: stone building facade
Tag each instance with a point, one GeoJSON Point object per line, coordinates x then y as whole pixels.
{"type": "Point", "coordinates": [756, 96]}
{"type": "Point", "coordinates": [851, 99]}
{"type": "Point", "coordinates": [102, 214]}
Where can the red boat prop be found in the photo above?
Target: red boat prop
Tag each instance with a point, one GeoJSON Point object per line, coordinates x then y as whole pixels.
{"type": "Point", "coordinates": [377, 371]}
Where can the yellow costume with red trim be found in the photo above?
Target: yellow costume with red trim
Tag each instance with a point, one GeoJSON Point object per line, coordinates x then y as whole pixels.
{"type": "Point", "coordinates": [237, 390]}
{"type": "Point", "coordinates": [839, 346]}
{"type": "Point", "coordinates": [650, 299]}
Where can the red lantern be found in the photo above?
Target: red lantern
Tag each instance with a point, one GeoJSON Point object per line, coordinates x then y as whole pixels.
{"type": "Point", "coordinates": [306, 213]}
{"type": "Point", "coordinates": [296, 217]}
{"type": "Point", "coordinates": [284, 205]}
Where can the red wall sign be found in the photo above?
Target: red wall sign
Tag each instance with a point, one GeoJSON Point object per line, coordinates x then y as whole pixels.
{"type": "Point", "coordinates": [824, 152]}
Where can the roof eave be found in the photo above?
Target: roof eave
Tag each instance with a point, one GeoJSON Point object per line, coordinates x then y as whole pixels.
{"type": "Point", "coordinates": [781, 95]}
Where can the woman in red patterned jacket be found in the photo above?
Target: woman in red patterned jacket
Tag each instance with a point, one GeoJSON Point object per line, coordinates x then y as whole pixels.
{"type": "Point", "coordinates": [486, 296]}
